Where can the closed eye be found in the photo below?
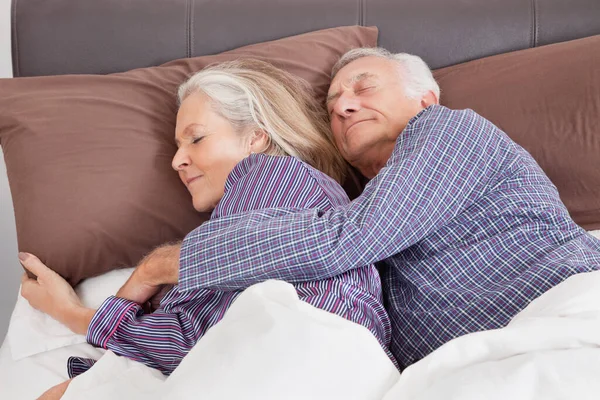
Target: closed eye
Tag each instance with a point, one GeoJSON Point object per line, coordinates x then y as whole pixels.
{"type": "Point", "coordinates": [364, 89]}
{"type": "Point", "coordinates": [197, 140]}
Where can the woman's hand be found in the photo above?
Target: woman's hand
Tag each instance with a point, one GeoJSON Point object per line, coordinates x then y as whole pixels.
{"type": "Point", "coordinates": [55, 392]}
{"type": "Point", "coordinates": [154, 276]}
{"type": "Point", "coordinates": [51, 294]}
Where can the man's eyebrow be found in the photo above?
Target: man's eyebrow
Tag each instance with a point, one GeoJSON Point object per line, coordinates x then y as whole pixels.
{"type": "Point", "coordinates": [356, 78]}
{"type": "Point", "coordinates": [361, 77]}
{"type": "Point", "coordinates": [331, 97]}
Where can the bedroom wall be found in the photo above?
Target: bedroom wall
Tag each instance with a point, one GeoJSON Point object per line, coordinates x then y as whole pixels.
{"type": "Point", "coordinates": [10, 272]}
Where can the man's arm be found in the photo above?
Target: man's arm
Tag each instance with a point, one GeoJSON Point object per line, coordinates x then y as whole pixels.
{"type": "Point", "coordinates": [440, 165]}
{"type": "Point", "coordinates": [147, 282]}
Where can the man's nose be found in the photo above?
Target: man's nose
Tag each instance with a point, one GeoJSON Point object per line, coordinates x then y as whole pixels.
{"type": "Point", "coordinates": [180, 160]}
{"type": "Point", "coordinates": [346, 105]}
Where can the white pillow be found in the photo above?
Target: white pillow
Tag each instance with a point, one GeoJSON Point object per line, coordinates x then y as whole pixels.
{"type": "Point", "coordinates": [595, 233]}
{"type": "Point", "coordinates": [31, 331]}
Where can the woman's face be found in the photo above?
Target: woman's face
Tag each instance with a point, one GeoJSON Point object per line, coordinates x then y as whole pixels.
{"type": "Point", "coordinates": [208, 150]}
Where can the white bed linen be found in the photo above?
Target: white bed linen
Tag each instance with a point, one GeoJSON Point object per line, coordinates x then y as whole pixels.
{"type": "Point", "coordinates": [28, 378]}
{"type": "Point", "coordinates": [269, 345]}
{"type": "Point", "coordinates": [551, 350]}
{"type": "Point", "coordinates": [553, 355]}
{"type": "Point", "coordinates": [32, 332]}
{"type": "Point", "coordinates": [34, 354]}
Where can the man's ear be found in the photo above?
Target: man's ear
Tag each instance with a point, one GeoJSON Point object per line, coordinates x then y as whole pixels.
{"type": "Point", "coordinates": [429, 98]}
{"type": "Point", "coordinates": [259, 141]}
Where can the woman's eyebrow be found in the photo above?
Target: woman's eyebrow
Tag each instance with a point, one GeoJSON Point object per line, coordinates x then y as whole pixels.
{"type": "Point", "coordinates": [189, 131]}
{"type": "Point", "coordinates": [191, 128]}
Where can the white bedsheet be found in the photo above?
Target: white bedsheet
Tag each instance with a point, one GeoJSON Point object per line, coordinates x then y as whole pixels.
{"type": "Point", "coordinates": [34, 354]}
{"type": "Point", "coordinates": [551, 350]}
{"type": "Point", "coordinates": [28, 378]}
{"type": "Point", "coordinates": [269, 345]}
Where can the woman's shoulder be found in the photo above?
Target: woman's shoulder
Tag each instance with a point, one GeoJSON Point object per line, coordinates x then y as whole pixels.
{"type": "Point", "coordinates": [282, 181]}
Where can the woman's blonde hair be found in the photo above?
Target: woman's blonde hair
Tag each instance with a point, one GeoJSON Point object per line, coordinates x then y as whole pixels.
{"type": "Point", "coordinates": [255, 95]}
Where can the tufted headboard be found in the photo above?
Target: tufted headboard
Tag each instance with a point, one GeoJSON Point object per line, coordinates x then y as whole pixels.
{"type": "Point", "coordinates": [104, 36]}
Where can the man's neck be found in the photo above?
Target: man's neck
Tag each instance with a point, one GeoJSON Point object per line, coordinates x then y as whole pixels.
{"type": "Point", "coordinates": [374, 161]}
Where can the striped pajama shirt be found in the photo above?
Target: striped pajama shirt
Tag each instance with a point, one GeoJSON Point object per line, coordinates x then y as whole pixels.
{"type": "Point", "coordinates": [160, 340]}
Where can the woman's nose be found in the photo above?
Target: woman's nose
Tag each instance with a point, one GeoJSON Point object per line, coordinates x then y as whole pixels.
{"type": "Point", "coordinates": [180, 160]}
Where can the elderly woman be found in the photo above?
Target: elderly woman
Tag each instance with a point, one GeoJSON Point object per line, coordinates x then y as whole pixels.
{"type": "Point", "coordinates": [249, 136]}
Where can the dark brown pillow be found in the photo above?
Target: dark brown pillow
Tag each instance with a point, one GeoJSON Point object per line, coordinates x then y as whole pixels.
{"type": "Point", "coordinates": [89, 156]}
{"type": "Point", "coordinates": [547, 99]}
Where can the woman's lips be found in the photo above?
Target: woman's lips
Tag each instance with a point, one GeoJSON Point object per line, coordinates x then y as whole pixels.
{"type": "Point", "coordinates": [190, 180]}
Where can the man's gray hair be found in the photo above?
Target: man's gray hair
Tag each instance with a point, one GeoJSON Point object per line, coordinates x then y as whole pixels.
{"type": "Point", "coordinates": [414, 72]}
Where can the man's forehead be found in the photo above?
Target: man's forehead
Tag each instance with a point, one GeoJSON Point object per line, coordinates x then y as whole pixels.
{"type": "Point", "coordinates": [353, 78]}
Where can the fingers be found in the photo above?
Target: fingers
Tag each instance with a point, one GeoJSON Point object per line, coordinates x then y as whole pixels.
{"type": "Point", "coordinates": [33, 264]}
{"type": "Point", "coordinates": [28, 288]}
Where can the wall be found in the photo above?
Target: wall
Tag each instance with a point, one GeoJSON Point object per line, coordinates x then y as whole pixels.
{"type": "Point", "coordinates": [10, 271]}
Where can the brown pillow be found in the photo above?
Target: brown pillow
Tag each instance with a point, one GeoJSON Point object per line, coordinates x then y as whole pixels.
{"type": "Point", "coordinates": [547, 99]}
{"type": "Point", "coordinates": [89, 156]}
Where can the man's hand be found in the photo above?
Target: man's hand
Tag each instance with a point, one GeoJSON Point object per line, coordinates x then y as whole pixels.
{"type": "Point", "coordinates": [150, 280]}
{"type": "Point", "coordinates": [51, 294]}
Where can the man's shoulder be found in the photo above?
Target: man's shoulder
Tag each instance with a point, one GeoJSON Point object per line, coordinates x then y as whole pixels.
{"type": "Point", "coordinates": [442, 115]}
{"type": "Point", "coordinates": [443, 125]}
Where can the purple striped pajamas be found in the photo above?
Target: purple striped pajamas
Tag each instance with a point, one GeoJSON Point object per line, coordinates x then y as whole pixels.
{"type": "Point", "coordinates": [161, 339]}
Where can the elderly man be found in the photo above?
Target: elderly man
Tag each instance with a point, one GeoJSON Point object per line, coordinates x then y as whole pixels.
{"type": "Point", "coordinates": [467, 227]}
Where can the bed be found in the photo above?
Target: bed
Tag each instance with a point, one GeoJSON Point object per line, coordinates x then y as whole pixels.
{"type": "Point", "coordinates": [88, 75]}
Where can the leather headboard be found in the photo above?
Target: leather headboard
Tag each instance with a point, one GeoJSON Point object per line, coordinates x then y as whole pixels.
{"type": "Point", "coordinates": [103, 36]}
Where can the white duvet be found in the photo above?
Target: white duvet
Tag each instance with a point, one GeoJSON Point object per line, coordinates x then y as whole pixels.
{"type": "Point", "coordinates": [272, 345]}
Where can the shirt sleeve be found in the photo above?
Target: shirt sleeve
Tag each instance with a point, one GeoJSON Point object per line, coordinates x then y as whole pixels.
{"type": "Point", "coordinates": [78, 365]}
{"type": "Point", "coordinates": [441, 163]}
{"type": "Point", "coordinates": [159, 340]}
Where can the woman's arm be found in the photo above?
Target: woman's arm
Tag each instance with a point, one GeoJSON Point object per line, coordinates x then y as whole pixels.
{"type": "Point", "coordinates": [53, 295]}
{"type": "Point", "coordinates": [159, 340]}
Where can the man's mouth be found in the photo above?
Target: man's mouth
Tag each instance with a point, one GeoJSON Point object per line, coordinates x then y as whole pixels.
{"type": "Point", "coordinates": [356, 123]}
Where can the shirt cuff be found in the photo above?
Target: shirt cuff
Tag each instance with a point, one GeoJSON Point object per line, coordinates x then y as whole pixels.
{"type": "Point", "coordinates": [107, 318]}
{"type": "Point", "coordinates": [77, 366]}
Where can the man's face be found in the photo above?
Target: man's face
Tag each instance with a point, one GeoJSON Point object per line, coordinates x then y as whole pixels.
{"type": "Point", "coordinates": [368, 110]}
